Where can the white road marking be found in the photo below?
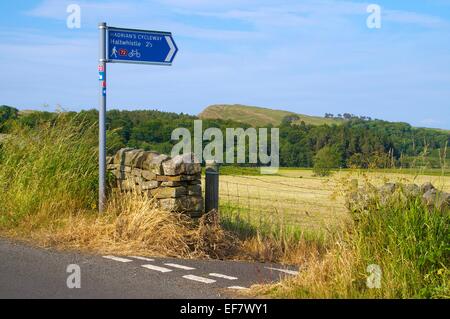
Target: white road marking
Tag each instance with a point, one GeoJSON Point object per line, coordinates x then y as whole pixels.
{"type": "Point", "coordinates": [157, 268]}
{"type": "Point", "coordinates": [287, 271]}
{"type": "Point", "coordinates": [142, 258]}
{"type": "Point", "coordinates": [179, 266]}
{"type": "Point", "coordinates": [237, 287]}
{"type": "Point", "coordinates": [200, 279]}
{"type": "Point", "coordinates": [123, 260]}
{"type": "Point", "coordinates": [222, 276]}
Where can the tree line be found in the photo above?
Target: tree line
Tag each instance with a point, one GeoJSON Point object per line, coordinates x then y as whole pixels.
{"type": "Point", "coordinates": [357, 142]}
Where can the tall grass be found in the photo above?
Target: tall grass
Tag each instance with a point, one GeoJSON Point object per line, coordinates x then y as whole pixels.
{"type": "Point", "coordinates": [407, 240]}
{"type": "Point", "coordinates": [410, 243]}
{"type": "Point", "coordinates": [47, 170]}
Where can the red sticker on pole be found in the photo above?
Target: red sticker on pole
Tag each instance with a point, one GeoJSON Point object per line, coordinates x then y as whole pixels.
{"type": "Point", "coordinates": [104, 84]}
{"type": "Point", "coordinates": [101, 68]}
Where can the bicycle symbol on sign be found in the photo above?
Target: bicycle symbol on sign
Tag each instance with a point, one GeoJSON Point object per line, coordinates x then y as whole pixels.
{"type": "Point", "coordinates": [134, 53]}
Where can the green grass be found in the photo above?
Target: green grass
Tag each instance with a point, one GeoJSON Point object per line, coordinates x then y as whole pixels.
{"type": "Point", "coordinates": [258, 116]}
{"type": "Point", "coordinates": [51, 168]}
{"type": "Point", "coordinates": [411, 245]}
{"type": "Point", "coordinates": [406, 240]}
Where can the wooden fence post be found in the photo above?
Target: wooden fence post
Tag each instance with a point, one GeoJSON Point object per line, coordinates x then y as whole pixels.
{"type": "Point", "coordinates": [211, 186]}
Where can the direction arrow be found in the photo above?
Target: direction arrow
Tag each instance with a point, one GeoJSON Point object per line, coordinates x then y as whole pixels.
{"type": "Point", "coordinates": [173, 49]}
{"type": "Point", "coordinates": [140, 46]}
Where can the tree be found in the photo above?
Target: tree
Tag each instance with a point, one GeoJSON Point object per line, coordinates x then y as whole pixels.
{"type": "Point", "coordinates": [7, 114]}
{"type": "Point", "coordinates": [326, 158]}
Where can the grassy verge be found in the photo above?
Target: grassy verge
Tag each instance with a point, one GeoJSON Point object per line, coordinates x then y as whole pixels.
{"type": "Point", "coordinates": [402, 243]}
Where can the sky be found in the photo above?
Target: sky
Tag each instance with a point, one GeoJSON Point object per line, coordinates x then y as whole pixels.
{"type": "Point", "coordinates": [306, 56]}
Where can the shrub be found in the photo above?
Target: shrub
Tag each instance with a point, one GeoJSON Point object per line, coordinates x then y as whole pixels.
{"type": "Point", "coordinates": [326, 159]}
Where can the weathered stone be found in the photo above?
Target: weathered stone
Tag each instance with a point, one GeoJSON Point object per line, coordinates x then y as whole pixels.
{"type": "Point", "coordinates": [426, 187]}
{"type": "Point", "coordinates": [136, 179]}
{"type": "Point", "coordinates": [430, 197]}
{"type": "Point", "coordinates": [436, 199]}
{"type": "Point", "coordinates": [358, 200]}
{"type": "Point", "coordinates": [119, 158]}
{"type": "Point", "coordinates": [173, 184]}
{"type": "Point", "coordinates": [143, 157]}
{"type": "Point", "coordinates": [154, 163]}
{"type": "Point", "coordinates": [109, 160]}
{"type": "Point", "coordinates": [182, 164]}
{"type": "Point", "coordinates": [182, 204]}
{"type": "Point", "coordinates": [173, 167]}
{"type": "Point", "coordinates": [412, 190]}
{"type": "Point", "coordinates": [168, 192]}
{"type": "Point", "coordinates": [149, 176]}
{"type": "Point", "coordinates": [194, 203]}
{"type": "Point", "coordinates": [132, 156]}
{"type": "Point", "coordinates": [194, 190]}
{"type": "Point", "coordinates": [443, 201]}
{"type": "Point", "coordinates": [148, 185]}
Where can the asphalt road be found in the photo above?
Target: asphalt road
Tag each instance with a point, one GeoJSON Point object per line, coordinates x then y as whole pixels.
{"type": "Point", "coordinates": [29, 272]}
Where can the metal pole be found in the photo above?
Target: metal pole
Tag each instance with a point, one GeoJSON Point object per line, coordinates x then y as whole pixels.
{"type": "Point", "coordinates": [211, 186]}
{"type": "Point", "coordinates": [102, 121]}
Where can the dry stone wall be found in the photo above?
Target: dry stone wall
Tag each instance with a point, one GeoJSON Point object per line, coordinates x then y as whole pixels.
{"type": "Point", "coordinates": [175, 183]}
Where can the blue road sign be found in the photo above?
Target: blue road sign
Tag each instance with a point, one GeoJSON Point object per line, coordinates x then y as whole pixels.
{"type": "Point", "coordinates": [139, 46]}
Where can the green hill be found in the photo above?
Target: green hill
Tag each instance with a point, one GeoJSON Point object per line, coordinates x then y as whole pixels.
{"type": "Point", "coordinates": [258, 116]}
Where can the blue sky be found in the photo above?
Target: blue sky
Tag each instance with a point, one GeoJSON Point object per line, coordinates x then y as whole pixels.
{"type": "Point", "coordinates": [311, 57]}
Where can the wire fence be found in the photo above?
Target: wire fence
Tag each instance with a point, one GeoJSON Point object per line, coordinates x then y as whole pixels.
{"type": "Point", "coordinates": [295, 202]}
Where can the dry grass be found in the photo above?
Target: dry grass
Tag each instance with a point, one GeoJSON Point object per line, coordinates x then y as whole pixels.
{"type": "Point", "coordinates": [130, 225]}
{"type": "Point", "coordinates": [321, 276]}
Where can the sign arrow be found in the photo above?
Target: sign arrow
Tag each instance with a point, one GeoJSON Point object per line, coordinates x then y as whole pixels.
{"type": "Point", "coordinates": [140, 46]}
{"type": "Point", "coordinates": [173, 49]}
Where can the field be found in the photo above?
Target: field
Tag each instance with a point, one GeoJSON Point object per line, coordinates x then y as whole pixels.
{"type": "Point", "coordinates": [297, 197]}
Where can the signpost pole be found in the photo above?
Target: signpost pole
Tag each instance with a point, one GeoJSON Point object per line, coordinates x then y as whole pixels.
{"type": "Point", "coordinates": [102, 120]}
{"type": "Point", "coordinates": [145, 47]}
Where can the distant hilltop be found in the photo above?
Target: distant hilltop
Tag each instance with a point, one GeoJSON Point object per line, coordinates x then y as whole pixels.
{"type": "Point", "coordinates": [259, 116]}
